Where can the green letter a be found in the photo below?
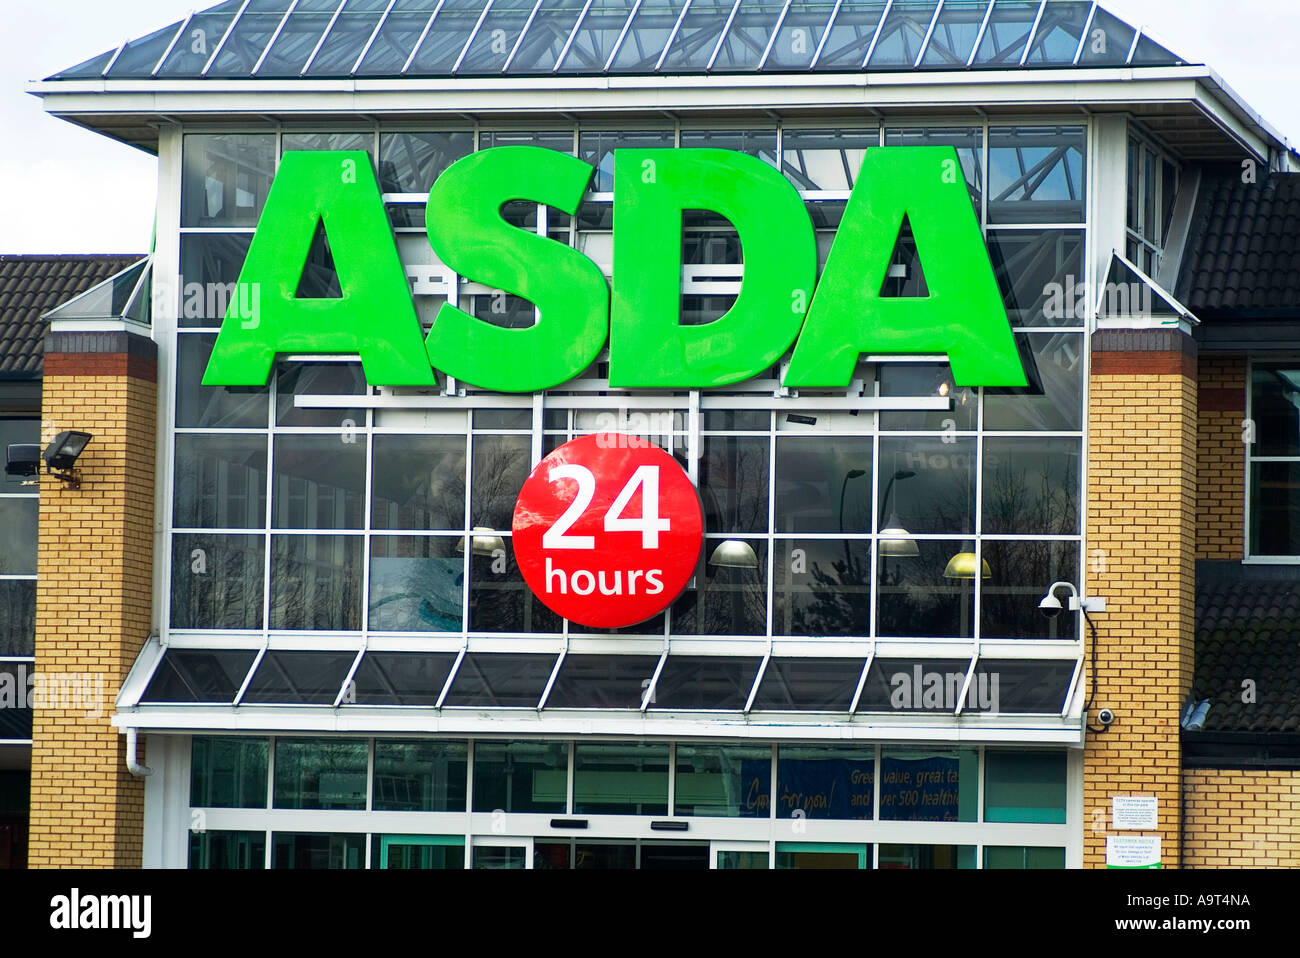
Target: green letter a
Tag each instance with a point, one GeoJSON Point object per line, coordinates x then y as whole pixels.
{"type": "Point", "coordinates": [374, 317]}
{"type": "Point", "coordinates": [963, 316]}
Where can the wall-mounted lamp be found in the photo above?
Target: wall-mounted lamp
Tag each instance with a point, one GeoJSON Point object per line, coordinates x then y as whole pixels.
{"type": "Point", "coordinates": [62, 453]}
{"type": "Point", "coordinates": [485, 542]}
{"type": "Point", "coordinates": [734, 554]}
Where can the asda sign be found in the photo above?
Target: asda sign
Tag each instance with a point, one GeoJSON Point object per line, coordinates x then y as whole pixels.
{"type": "Point", "coordinates": [830, 323]}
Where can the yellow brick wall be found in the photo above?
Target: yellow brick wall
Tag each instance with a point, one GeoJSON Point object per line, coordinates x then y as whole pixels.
{"type": "Point", "coordinates": [93, 613]}
{"type": "Point", "coordinates": [1221, 456]}
{"type": "Point", "coordinates": [1242, 819]}
{"type": "Point", "coordinates": [1141, 512]}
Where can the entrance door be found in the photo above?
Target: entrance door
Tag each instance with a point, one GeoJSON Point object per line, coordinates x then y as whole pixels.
{"type": "Point", "coordinates": [602, 854]}
{"type": "Point", "coordinates": [502, 853]}
{"type": "Point", "coordinates": [422, 851]}
{"type": "Point", "coordinates": [822, 855]}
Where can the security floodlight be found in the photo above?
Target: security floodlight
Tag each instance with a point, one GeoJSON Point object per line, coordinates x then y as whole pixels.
{"type": "Point", "coordinates": [22, 459]}
{"type": "Point", "coordinates": [61, 455]}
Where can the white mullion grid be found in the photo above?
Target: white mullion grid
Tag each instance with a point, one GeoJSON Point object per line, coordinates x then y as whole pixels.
{"type": "Point", "coordinates": [618, 43]}
{"type": "Point", "coordinates": [1033, 32]}
{"type": "Point", "coordinates": [555, 669]}
{"type": "Point", "coordinates": [862, 681]}
{"type": "Point", "coordinates": [329, 28]}
{"type": "Point", "coordinates": [826, 32]}
{"type": "Point", "coordinates": [171, 46]}
{"type": "Point", "coordinates": [573, 33]}
{"type": "Point", "coordinates": [351, 676]}
{"type": "Point", "coordinates": [373, 33]}
{"type": "Point", "coordinates": [771, 41]}
{"type": "Point", "coordinates": [410, 58]}
{"type": "Point", "coordinates": [487, 8]}
{"type": "Point", "coordinates": [929, 33]}
{"type": "Point", "coordinates": [522, 31]}
{"type": "Point", "coordinates": [875, 37]}
{"type": "Point", "coordinates": [654, 678]}
{"type": "Point", "coordinates": [979, 34]}
{"type": "Point", "coordinates": [224, 37]}
{"type": "Point", "coordinates": [274, 36]}
{"type": "Point", "coordinates": [113, 59]}
{"type": "Point", "coordinates": [1083, 37]}
{"type": "Point", "coordinates": [722, 37]}
{"type": "Point", "coordinates": [1137, 35]}
{"type": "Point", "coordinates": [668, 44]}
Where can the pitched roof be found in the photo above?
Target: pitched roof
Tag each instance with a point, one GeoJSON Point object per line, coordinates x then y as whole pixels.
{"type": "Point", "coordinates": [1248, 631]}
{"type": "Point", "coordinates": [31, 286]}
{"type": "Point", "coordinates": [442, 38]}
{"type": "Point", "coordinates": [1242, 257]}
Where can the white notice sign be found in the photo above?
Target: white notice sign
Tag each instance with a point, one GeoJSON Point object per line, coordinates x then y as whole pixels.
{"type": "Point", "coordinates": [1132, 851]}
{"type": "Point", "coordinates": [1134, 812]}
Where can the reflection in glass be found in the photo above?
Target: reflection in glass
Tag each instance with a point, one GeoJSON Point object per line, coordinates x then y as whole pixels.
{"type": "Point", "coordinates": [734, 483]}
{"type": "Point", "coordinates": [227, 850]}
{"type": "Point", "coordinates": [501, 464]}
{"type": "Point", "coordinates": [723, 780]}
{"type": "Point", "coordinates": [393, 44]}
{"type": "Point", "coordinates": [400, 678]}
{"type": "Point", "coordinates": [940, 495]}
{"type": "Point", "coordinates": [496, 37]}
{"type": "Point", "coordinates": [602, 681]}
{"type": "Point", "coordinates": [851, 34]}
{"type": "Point", "coordinates": [650, 29]}
{"type": "Point", "coordinates": [727, 600]}
{"type": "Point", "coordinates": [298, 38]}
{"type": "Point", "coordinates": [220, 407]}
{"type": "Point", "coordinates": [499, 601]}
{"type": "Point", "coordinates": [692, 682]}
{"type": "Point", "coordinates": [18, 520]}
{"type": "Point", "coordinates": [697, 35]}
{"type": "Point", "coordinates": [809, 684]}
{"type": "Point", "coordinates": [1053, 401]}
{"type": "Point", "coordinates": [220, 482]}
{"type": "Point", "coordinates": [825, 782]}
{"type": "Point", "coordinates": [953, 40]}
{"type": "Point", "coordinates": [416, 584]}
{"type": "Point", "coordinates": [17, 617]}
{"type": "Point", "coordinates": [225, 178]}
{"type": "Point", "coordinates": [1031, 486]}
{"type": "Point", "coordinates": [929, 785]}
{"type": "Point", "coordinates": [1036, 174]}
{"type": "Point", "coordinates": [927, 857]}
{"type": "Point", "coordinates": [521, 776]}
{"type": "Point", "coordinates": [210, 265]}
{"type": "Point", "coordinates": [898, 44]}
{"type": "Point", "coordinates": [800, 33]}
{"type": "Point", "coordinates": [500, 680]}
{"type": "Point", "coordinates": [419, 776]}
{"type": "Point", "coordinates": [1024, 787]}
{"type": "Point", "coordinates": [299, 678]}
{"type": "Point", "coordinates": [597, 148]}
{"type": "Point", "coordinates": [319, 379]}
{"type": "Point", "coordinates": [411, 162]}
{"type": "Point", "coordinates": [320, 773]}
{"type": "Point", "coordinates": [328, 141]}
{"type": "Point", "coordinates": [1040, 273]}
{"type": "Point", "coordinates": [927, 379]}
{"type": "Point", "coordinates": [316, 582]}
{"type": "Point", "coordinates": [228, 772]}
{"type": "Point", "coordinates": [317, 850]}
{"type": "Point", "coordinates": [318, 482]}
{"type": "Point", "coordinates": [1275, 508]}
{"type": "Point", "coordinates": [1022, 571]}
{"type": "Point", "coordinates": [418, 482]}
{"type": "Point", "coordinates": [1057, 38]}
{"type": "Point", "coordinates": [346, 38]}
{"type": "Point", "coordinates": [822, 588]}
{"type": "Point", "coordinates": [760, 143]}
{"type": "Point", "coordinates": [1010, 24]}
{"type": "Point", "coordinates": [824, 159]}
{"type": "Point", "coordinates": [915, 599]}
{"type": "Point", "coordinates": [242, 47]}
{"type": "Point", "coordinates": [620, 778]}
{"type": "Point", "coordinates": [217, 581]}
{"type": "Point", "coordinates": [1023, 856]}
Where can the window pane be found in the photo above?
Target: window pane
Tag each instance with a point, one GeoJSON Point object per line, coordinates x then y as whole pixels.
{"type": "Point", "coordinates": [1275, 410]}
{"type": "Point", "coordinates": [1021, 573]}
{"type": "Point", "coordinates": [759, 143]}
{"type": "Point", "coordinates": [396, 39]}
{"type": "Point", "coordinates": [17, 616]}
{"type": "Point", "coordinates": [1053, 401]}
{"type": "Point", "coordinates": [806, 684]}
{"type": "Point", "coordinates": [225, 178]}
{"type": "Point", "coordinates": [697, 36]}
{"type": "Point", "coordinates": [319, 379]}
{"type": "Point", "coordinates": [496, 37]}
{"type": "Point", "coordinates": [1275, 508]}
{"type": "Point", "coordinates": [830, 782]}
{"type": "Point", "coordinates": [823, 487]}
{"type": "Point", "coordinates": [926, 379]}
{"type": "Point", "coordinates": [733, 483]}
{"type": "Point", "coordinates": [501, 464]}
{"type": "Point", "coordinates": [547, 34]}
{"type": "Point", "coordinates": [221, 407]}
{"type": "Point", "coordinates": [192, 675]}
{"type": "Point", "coordinates": [420, 776]}
{"type": "Point", "coordinates": [289, 53]}
{"type": "Point", "coordinates": [1041, 276]}
{"type": "Point", "coordinates": [244, 44]}
{"type": "Point", "coordinates": [939, 495]}
{"type": "Point", "coordinates": [317, 850]}
{"type": "Point", "coordinates": [319, 482]}
{"type": "Point", "coordinates": [822, 588]}
{"type": "Point", "coordinates": [299, 678]}
{"type": "Point", "coordinates": [203, 33]}
{"type": "Point", "coordinates": [1036, 174]}
{"type": "Point", "coordinates": [227, 850]}
{"type": "Point", "coordinates": [346, 39]}
{"type": "Point", "coordinates": [924, 785]}
{"type": "Point", "coordinates": [1057, 37]}
{"type": "Point", "coordinates": [728, 599]}
{"type": "Point", "coordinates": [501, 680]}
{"type": "Point", "coordinates": [220, 482]}
{"type": "Point", "coordinates": [217, 581]}
{"type": "Point", "coordinates": [18, 532]}
{"type": "Point", "coordinates": [1021, 856]}
{"type": "Point", "coordinates": [825, 159]}
{"type": "Point", "coordinates": [419, 482]}
{"type": "Point", "coordinates": [928, 595]}
{"type": "Point", "coordinates": [1031, 486]}
{"type": "Point", "coordinates": [743, 45]}
{"type": "Point", "coordinates": [411, 162]}
{"type": "Point", "coordinates": [850, 36]}
{"type": "Point", "coordinates": [694, 682]}
{"type": "Point", "coordinates": [722, 780]}
{"type": "Point", "coordinates": [620, 778]}
{"type": "Point", "coordinates": [210, 265]}
{"type": "Point", "coordinates": [521, 776]}
{"type": "Point", "coordinates": [650, 30]}
{"type": "Point", "coordinates": [899, 42]}
{"type": "Point", "coordinates": [602, 681]}
{"type": "Point", "coordinates": [400, 678]}
{"type": "Point", "coordinates": [1108, 41]}
{"type": "Point", "coordinates": [800, 32]}
{"type": "Point", "coordinates": [748, 860]}
{"type": "Point", "coordinates": [316, 582]}
{"type": "Point", "coordinates": [320, 773]}
{"type": "Point", "coordinates": [417, 583]}
{"type": "Point", "coordinates": [499, 601]}
{"type": "Point", "coordinates": [228, 772]}
{"type": "Point", "coordinates": [25, 429]}
{"type": "Point", "coordinates": [597, 148]}
{"type": "Point", "coordinates": [1024, 787]}
{"type": "Point", "coordinates": [927, 856]}
{"type": "Point", "coordinates": [139, 57]}
{"type": "Point", "coordinates": [954, 35]}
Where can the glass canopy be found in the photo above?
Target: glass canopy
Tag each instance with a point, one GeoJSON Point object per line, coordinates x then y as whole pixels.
{"type": "Point", "coordinates": [270, 39]}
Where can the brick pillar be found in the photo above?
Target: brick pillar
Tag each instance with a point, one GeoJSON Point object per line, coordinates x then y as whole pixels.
{"type": "Point", "coordinates": [1141, 557]}
{"type": "Point", "coordinates": [1221, 457]}
{"type": "Point", "coordinates": [93, 607]}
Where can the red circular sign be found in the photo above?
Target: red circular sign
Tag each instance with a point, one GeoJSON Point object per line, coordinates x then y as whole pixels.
{"type": "Point", "coordinates": [607, 530]}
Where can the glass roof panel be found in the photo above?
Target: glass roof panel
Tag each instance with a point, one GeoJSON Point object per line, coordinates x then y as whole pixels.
{"type": "Point", "coordinates": [602, 681]}
{"type": "Point", "coordinates": [246, 43]}
{"type": "Point", "coordinates": [191, 53]}
{"type": "Point", "coordinates": [546, 36]}
{"type": "Point", "coordinates": [497, 37]}
{"type": "Point", "coordinates": [141, 56]}
{"type": "Point", "coordinates": [800, 32]}
{"type": "Point", "coordinates": [1008, 31]}
{"type": "Point", "coordinates": [954, 35]}
{"type": "Point", "coordinates": [303, 30]}
{"type": "Point", "coordinates": [199, 675]}
{"type": "Point", "coordinates": [597, 33]}
{"type": "Point", "coordinates": [902, 35]}
{"type": "Point", "coordinates": [742, 48]}
{"type": "Point", "coordinates": [397, 38]}
{"type": "Point", "coordinates": [1150, 53]}
{"type": "Point", "coordinates": [650, 30]}
{"type": "Point", "coordinates": [299, 678]}
{"type": "Point", "coordinates": [347, 38]}
{"type": "Point", "coordinates": [1057, 37]}
{"type": "Point", "coordinates": [500, 680]}
{"type": "Point", "coordinates": [822, 685]}
{"type": "Point", "coordinates": [446, 38]}
{"type": "Point", "coordinates": [1108, 42]}
{"type": "Point", "coordinates": [87, 68]}
{"type": "Point", "coordinates": [851, 33]}
{"type": "Point", "coordinates": [697, 36]}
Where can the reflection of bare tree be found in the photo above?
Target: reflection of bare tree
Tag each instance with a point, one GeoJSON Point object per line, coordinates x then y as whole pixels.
{"type": "Point", "coordinates": [840, 600]}
{"type": "Point", "coordinates": [500, 468]}
{"type": "Point", "coordinates": [733, 480]}
{"type": "Point", "coordinates": [316, 583]}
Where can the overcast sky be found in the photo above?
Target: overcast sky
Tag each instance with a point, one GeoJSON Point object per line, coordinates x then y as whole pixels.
{"type": "Point", "coordinates": [66, 190]}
